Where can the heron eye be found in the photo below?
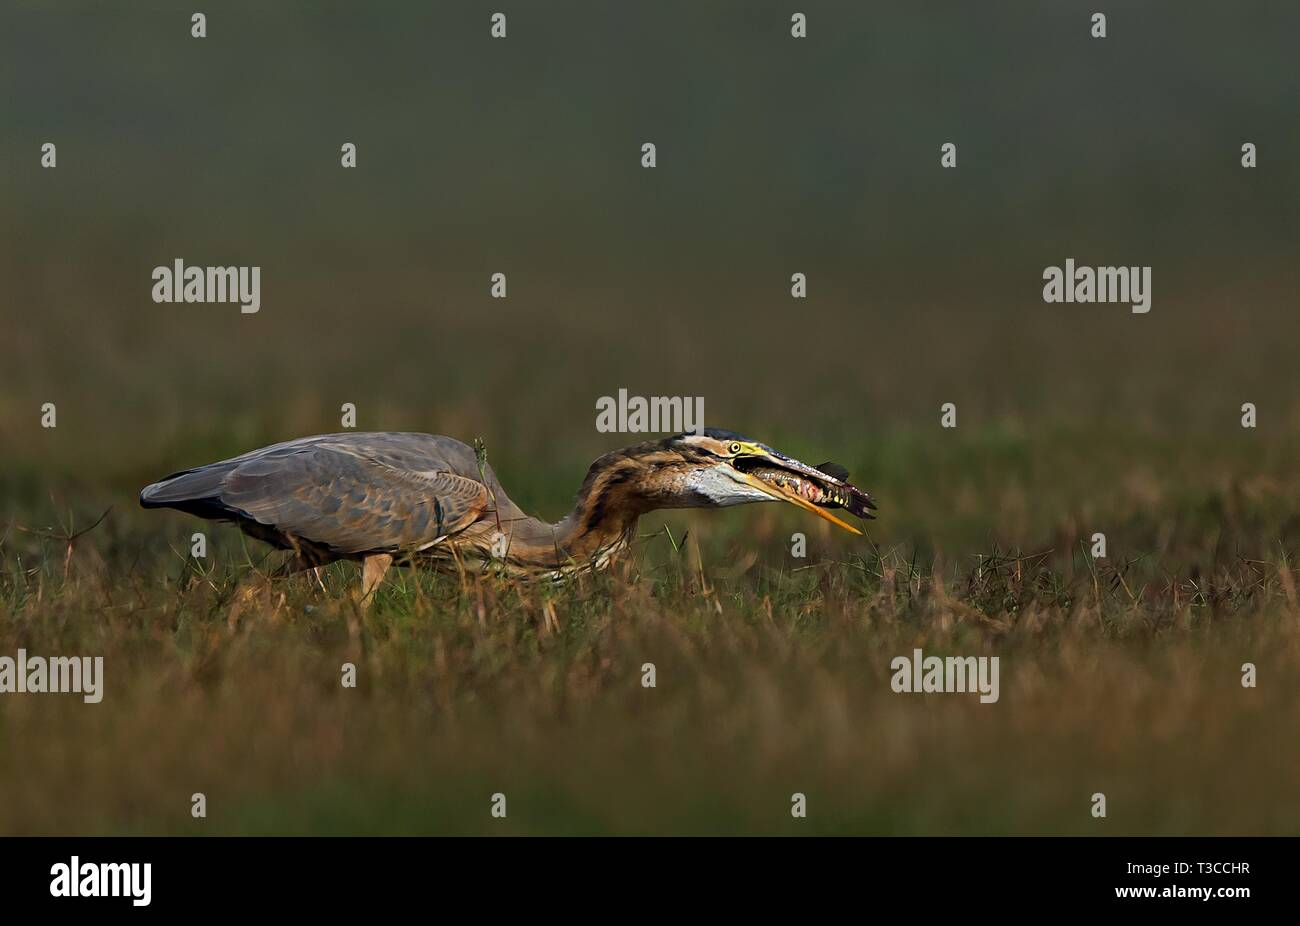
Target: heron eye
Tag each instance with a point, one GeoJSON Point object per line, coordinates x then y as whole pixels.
{"type": "Point", "coordinates": [734, 448]}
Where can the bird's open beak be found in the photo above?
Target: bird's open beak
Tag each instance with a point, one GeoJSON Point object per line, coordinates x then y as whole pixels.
{"type": "Point", "coordinates": [781, 493]}
{"type": "Point", "coordinates": [813, 489]}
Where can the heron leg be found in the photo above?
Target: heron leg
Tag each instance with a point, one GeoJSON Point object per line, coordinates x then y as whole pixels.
{"type": "Point", "coordinates": [372, 573]}
{"type": "Point", "coordinates": [301, 563]}
{"type": "Point", "coordinates": [293, 566]}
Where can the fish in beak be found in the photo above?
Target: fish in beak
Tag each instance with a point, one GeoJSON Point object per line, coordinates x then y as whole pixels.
{"type": "Point", "coordinates": [813, 488]}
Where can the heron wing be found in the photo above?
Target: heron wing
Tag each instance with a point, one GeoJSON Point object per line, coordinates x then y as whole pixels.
{"type": "Point", "coordinates": [353, 493]}
{"type": "Point", "coordinates": [353, 503]}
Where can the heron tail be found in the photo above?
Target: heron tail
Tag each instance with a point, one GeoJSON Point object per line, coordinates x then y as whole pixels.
{"type": "Point", "coordinates": [187, 487]}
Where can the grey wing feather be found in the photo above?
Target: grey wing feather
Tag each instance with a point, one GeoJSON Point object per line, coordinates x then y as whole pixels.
{"type": "Point", "coordinates": [353, 493]}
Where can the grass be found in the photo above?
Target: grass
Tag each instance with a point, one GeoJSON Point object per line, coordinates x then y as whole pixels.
{"type": "Point", "coordinates": [1120, 675]}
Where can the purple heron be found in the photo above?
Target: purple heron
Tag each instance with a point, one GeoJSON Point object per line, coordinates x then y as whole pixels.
{"type": "Point", "coordinates": [423, 498]}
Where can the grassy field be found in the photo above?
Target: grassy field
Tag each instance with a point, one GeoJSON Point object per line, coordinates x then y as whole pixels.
{"type": "Point", "coordinates": [1120, 676]}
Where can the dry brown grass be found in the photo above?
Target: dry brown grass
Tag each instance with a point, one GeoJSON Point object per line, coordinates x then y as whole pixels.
{"type": "Point", "coordinates": [771, 679]}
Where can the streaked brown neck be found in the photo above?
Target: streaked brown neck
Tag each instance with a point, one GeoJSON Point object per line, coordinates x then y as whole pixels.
{"type": "Point", "coordinates": [611, 499]}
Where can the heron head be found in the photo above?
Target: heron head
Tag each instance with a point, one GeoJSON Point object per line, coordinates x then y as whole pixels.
{"type": "Point", "coordinates": [720, 468]}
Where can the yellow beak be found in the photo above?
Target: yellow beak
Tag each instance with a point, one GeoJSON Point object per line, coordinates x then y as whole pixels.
{"type": "Point", "coordinates": [779, 493]}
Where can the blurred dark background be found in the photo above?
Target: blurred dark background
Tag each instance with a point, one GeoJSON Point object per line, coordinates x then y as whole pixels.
{"type": "Point", "coordinates": [776, 155]}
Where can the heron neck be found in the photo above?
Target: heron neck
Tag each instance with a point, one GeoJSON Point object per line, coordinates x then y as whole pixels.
{"type": "Point", "coordinates": [581, 542]}
{"type": "Point", "coordinates": [602, 522]}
